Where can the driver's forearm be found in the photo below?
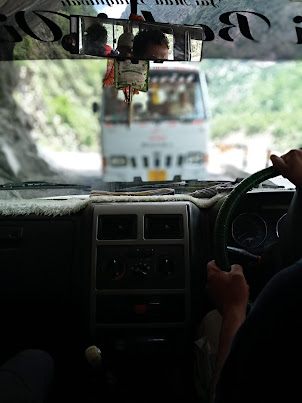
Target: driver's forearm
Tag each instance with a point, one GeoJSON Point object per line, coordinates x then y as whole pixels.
{"type": "Point", "coordinates": [230, 324]}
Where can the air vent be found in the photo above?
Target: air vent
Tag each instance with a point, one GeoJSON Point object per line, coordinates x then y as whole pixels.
{"type": "Point", "coordinates": [117, 227]}
{"type": "Point", "coordinates": [161, 226]}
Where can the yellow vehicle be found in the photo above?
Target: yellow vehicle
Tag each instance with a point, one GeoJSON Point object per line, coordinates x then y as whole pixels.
{"type": "Point", "coordinates": [104, 264]}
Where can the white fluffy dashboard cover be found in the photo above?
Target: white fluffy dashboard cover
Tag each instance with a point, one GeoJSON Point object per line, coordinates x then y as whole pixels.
{"type": "Point", "coordinates": [72, 204]}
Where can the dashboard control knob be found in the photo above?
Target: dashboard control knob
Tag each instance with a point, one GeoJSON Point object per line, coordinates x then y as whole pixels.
{"type": "Point", "coordinates": [166, 267]}
{"type": "Point", "coordinates": [117, 269]}
{"type": "Point", "coordinates": [140, 269]}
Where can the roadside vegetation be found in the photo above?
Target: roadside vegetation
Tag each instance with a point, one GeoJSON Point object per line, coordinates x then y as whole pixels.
{"type": "Point", "coordinates": [264, 98]}
{"type": "Point", "coordinates": [64, 116]}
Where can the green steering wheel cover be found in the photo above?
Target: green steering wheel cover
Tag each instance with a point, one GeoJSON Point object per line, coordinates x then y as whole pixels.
{"type": "Point", "coordinates": [222, 223]}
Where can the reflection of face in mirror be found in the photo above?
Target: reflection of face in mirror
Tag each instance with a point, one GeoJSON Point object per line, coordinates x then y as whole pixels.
{"type": "Point", "coordinates": [95, 41]}
{"type": "Point", "coordinates": [125, 44]}
{"type": "Point", "coordinates": [151, 44]}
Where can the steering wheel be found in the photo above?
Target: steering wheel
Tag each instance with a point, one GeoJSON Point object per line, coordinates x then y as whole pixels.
{"type": "Point", "coordinates": [223, 219]}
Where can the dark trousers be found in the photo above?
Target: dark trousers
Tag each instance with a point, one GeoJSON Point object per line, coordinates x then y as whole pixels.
{"type": "Point", "coordinates": [27, 377]}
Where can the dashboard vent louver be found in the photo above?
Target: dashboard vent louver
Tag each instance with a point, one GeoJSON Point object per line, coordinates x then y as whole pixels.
{"type": "Point", "coordinates": [161, 226]}
{"type": "Point", "coordinates": [112, 227]}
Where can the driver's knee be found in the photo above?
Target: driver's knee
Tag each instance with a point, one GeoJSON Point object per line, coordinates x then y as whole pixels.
{"type": "Point", "coordinates": [27, 376]}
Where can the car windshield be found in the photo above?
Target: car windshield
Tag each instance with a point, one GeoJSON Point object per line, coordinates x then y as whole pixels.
{"type": "Point", "coordinates": [65, 129]}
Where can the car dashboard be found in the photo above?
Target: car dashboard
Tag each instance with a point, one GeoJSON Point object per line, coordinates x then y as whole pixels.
{"type": "Point", "coordinates": [126, 277]}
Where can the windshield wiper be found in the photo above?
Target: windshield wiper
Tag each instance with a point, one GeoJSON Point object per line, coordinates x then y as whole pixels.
{"type": "Point", "coordinates": [41, 185]}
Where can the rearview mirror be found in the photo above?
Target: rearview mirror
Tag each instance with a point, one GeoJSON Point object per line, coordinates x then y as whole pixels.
{"type": "Point", "coordinates": [135, 40]}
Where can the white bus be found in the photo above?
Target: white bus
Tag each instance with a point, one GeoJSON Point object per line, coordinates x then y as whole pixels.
{"type": "Point", "coordinates": [169, 133]}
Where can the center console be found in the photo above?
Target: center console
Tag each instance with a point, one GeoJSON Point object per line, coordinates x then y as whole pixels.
{"type": "Point", "coordinates": [140, 294]}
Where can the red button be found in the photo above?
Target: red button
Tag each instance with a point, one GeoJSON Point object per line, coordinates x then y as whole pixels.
{"type": "Point", "coordinates": [139, 309]}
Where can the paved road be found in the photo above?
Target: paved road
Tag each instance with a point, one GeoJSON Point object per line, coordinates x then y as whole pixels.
{"type": "Point", "coordinates": [86, 168]}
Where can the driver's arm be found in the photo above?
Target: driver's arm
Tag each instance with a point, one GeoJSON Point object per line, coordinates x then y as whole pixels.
{"type": "Point", "coordinates": [229, 291]}
{"type": "Point", "coordinates": [290, 166]}
{"type": "Point", "coordinates": [287, 250]}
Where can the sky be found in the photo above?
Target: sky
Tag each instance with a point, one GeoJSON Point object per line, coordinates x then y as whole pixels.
{"type": "Point", "coordinates": [114, 11]}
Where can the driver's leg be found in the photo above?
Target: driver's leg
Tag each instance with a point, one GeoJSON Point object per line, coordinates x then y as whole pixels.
{"type": "Point", "coordinates": [27, 377]}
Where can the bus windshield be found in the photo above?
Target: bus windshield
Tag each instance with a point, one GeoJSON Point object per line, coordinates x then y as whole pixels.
{"type": "Point", "coordinates": [172, 95]}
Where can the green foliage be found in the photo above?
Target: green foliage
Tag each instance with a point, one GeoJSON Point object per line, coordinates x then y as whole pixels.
{"type": "Point", "coordinates": [74, 86]}
{"type": "Point", "coordinates": [256, 98]}
{"type": "Point", "coordinates": [64, 91]}
{"type": "Point", "coordinates": [24, 48]}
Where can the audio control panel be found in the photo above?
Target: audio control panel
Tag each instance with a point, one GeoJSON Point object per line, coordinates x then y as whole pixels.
{"type": "Point", "coordinates": [152, 266]}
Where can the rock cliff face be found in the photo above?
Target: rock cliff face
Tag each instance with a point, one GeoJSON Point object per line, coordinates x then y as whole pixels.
{"type": "Point", "coordinates": [19, 159]}
{"type": "Point", "coordinates": [18, 153]}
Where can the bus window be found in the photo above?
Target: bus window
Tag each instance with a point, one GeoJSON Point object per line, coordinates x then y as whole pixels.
{"type": "Point", "coordinates": [178, 97]}
{"type": "Point", "coordinates": [115, 107]}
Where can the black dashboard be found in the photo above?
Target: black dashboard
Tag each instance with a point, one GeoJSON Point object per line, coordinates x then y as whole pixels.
{"type": "Point", "coordinates": [259, 219]}
{"type": "Point", "coordinates": [127, 277]}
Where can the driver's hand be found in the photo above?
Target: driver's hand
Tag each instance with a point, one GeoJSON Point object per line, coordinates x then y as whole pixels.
{"type": "Point", "coordinates": [290, 165]}
{"type": "Point", "coordinates": [228, 291]}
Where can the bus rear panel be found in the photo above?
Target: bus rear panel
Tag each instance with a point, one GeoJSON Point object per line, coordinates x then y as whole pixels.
{"type": "Point", "coordinates": [169, 133]}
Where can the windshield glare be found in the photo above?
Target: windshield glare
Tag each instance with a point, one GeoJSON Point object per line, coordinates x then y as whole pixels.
{"type": "Point", "coordinates": [218, 120]}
